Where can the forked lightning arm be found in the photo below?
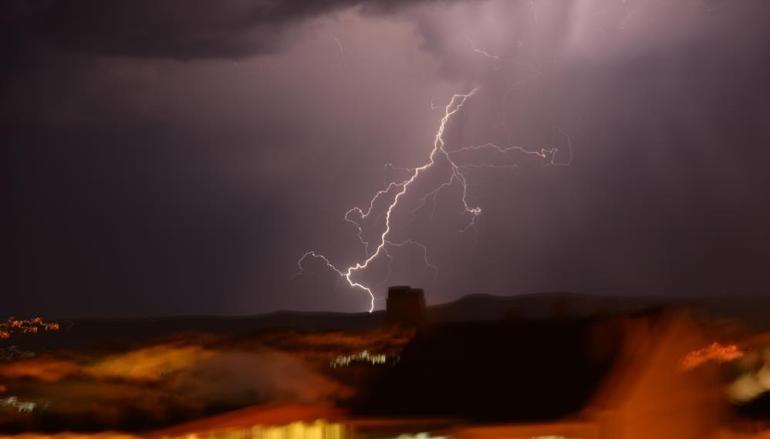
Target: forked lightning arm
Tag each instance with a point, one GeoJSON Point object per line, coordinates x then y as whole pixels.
{"type": "Point", "coordinates": [399, 189]}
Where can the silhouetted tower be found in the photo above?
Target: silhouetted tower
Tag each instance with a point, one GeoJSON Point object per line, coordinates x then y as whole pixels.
{"type": "Point", "coordinates": [405, 306]}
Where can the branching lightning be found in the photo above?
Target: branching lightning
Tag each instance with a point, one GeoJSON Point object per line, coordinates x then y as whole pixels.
{"type": "Point", "coordinates": [340, 47]}
{"type": "Point", "coordinates": [481, 51]}
{"type": "Point", "coordinates": [392, 194]}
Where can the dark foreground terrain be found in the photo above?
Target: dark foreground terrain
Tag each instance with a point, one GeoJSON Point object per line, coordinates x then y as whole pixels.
{"type": "Point", "coordinates": [482, 360]}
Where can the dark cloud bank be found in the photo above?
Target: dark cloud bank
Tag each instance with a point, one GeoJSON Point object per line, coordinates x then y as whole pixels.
{"type": "Point", "coordinates": [177, 157]}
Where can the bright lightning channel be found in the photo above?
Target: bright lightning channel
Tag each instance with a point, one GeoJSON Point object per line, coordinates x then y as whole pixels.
{"type": "Point", "coordinates": [358, 215]}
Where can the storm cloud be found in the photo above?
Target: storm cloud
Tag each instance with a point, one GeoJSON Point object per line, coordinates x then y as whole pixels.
{"type": "Point", "coordinates": [170, 28]}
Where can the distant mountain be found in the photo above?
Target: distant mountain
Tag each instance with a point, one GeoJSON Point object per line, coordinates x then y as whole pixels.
{"type": "Point", "coordinates": [751, 310]}
{"type": "Point", "coordinates": [754, 311]}
{"type": "Point", "coordinates": [533, 306]}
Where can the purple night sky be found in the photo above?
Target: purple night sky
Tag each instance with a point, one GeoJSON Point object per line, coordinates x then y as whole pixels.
{"type": "Point", "coordinates": [176, 157]}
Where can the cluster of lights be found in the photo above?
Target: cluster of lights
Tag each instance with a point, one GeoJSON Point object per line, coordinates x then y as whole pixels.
{"type": "Point", "coordinates": [363, 356]}
{"type": "Point", "coordinates": [713, 352]}
{"type": "Point", "coordinates": [21, 406]}
{"type": "Point", "coordinates": [319, 429]}
{"type": "Point", "coordinates": [14, 353]}
{"type": "Point", "coordinates": [25, 326]}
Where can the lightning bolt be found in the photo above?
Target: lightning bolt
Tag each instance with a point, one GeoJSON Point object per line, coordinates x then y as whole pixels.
{"type": "Point", "coordinates": [340, 47]}
{"type": "Point", "coordinates": [395, 191]}
{"type": "Point", "coordinates": [481, 51]}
